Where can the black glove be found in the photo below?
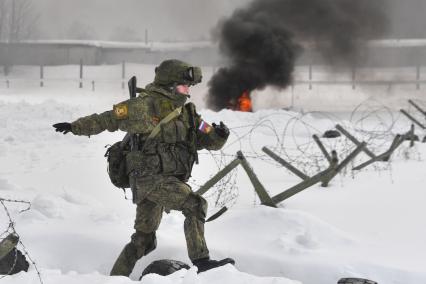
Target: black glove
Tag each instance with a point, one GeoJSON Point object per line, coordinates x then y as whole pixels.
{"type": "Point", "coordinates": [63, 127]}
{"type": "Point", "coordinates": [222, 130]}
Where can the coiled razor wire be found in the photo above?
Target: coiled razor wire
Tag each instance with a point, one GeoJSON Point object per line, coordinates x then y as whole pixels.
{"type": "Point", "coordinates": [371, 121]}
{"type": "Point", "coordinates": [11, 230]}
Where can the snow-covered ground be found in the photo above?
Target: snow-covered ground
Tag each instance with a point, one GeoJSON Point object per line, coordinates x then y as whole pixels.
{"type": "Point", "coordinates": [367, 224]}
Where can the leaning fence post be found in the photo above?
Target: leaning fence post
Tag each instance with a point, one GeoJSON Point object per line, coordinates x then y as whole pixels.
{"type": "Point", "coordinates": [300, 187]}
{"type": "Point", "coordinates": [258, 187]}
{"type": "Point", "coordinates": [8, 244]}
{"type": "Point", "coordinates": [284, 163]}
{"type": "Point", "coordinates": [217, 177]}
{"type": "Point", "coordinates": [410, 117]}
{"type": "Point", "coordinates": [329, 173]}
{"type": "Point", "coordinates": [397, 141]}
{"type": "Point", "coordinates": [354, 140]}
{"type": "Point", "coordinates": [412, 135]}
{"type": "Point", "coordinates": [334, 161]}
{"type": "Point", "coordinates": [337, 168]}
{"type": "Point", "coordinates": [322, 148]}
{"type": "Point", "coordinates": [411, 102]}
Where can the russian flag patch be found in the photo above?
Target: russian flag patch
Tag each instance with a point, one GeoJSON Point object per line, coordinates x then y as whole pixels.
{"type": "Point", "coordinates": [205, 127]}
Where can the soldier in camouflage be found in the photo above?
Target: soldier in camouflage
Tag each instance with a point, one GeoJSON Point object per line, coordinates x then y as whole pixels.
{"type": "Point", "coordinates": [167, 132]}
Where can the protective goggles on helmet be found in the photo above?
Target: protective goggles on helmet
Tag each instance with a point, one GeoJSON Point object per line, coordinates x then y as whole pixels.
{"type": "Point", "coordinates": [193, 75]}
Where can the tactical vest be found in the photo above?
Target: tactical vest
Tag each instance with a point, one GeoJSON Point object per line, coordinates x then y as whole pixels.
{"type": "Point", "coordinates": [173, 151]}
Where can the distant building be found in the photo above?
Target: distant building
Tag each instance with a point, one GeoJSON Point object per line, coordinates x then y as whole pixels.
{"type": "Point", "coordinates": [63, 52]}
{"type": "Point", "coordinates": [381, 53]}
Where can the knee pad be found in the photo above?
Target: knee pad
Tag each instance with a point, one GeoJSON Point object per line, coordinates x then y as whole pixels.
{"type": "Point", "coordinates": [195, 206]}
{"type": "Point", "coordinates": [144, 243]}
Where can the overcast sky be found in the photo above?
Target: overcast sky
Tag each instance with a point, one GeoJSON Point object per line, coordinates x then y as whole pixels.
{"type": "Point", "coordinates": [164, 19]}
{"type": "Point", "coordinates": [175, 19]}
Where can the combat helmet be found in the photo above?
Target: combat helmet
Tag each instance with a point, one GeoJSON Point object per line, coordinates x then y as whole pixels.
{"type": "Point", "coordinates": [171, 72]}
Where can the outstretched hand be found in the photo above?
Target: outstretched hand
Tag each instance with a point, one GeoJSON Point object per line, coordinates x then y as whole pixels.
{"type": "Point", "coordinates": [222, 130]}
{"type": "Point", "coordinates": [63, 127]}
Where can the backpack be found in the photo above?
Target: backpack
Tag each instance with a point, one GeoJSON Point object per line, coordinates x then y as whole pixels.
{"type": "Point", "coordinates": [116, 158]}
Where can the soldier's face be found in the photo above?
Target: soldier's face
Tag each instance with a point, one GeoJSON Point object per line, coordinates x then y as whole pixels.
{"type": "Point", "coordinates": [182, 89]}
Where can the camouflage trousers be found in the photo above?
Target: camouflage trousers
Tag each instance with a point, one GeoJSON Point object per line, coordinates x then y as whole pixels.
{"type": "Point", "coordinates": [153, 195]}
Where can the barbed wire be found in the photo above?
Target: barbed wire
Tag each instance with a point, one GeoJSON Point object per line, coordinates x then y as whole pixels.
{"type": "Point", "coordinates": [371, 121]}
{"type": "Point", "coordinates": [11, 230]}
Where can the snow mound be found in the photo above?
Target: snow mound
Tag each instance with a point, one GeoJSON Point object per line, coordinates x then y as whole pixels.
{"type": "Point", "coordinates": [226, 274]}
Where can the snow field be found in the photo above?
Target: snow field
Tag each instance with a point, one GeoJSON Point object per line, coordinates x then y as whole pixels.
{"type": "Point", "coordinates": [368, 224]}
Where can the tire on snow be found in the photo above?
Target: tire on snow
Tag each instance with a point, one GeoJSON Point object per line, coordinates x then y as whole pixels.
{"type": "Point", "coordinates": [164, 267]}
{"type": "Point", "coordinates": [14, 262]}
{"type": "Point", "coordinates": [355, 281]}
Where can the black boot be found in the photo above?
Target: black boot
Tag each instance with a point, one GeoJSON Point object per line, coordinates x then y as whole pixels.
{"type": "Point", "coordinates": [205, 264]}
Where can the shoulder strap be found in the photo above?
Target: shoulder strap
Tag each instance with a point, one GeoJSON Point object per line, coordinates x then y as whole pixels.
{"type": "Point", "coordinates": [165, 120]}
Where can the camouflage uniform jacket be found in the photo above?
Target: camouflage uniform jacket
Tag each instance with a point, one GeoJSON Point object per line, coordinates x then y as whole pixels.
{"type": "Point", "coordinates": [174, 150]}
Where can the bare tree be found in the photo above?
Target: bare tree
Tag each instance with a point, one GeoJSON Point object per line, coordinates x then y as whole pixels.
{"type": "Point", "coordinates": [18, 20]}
{"type": "Point", "coordinates": [2, 17]}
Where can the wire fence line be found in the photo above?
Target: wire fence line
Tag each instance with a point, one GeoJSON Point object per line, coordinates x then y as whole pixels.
{"type": "Point", "coordinates": [309, 76]}
{"type": "Point", "coordinates": [95, 82]}
{"type": "Point", "coordinates": [371, 122]}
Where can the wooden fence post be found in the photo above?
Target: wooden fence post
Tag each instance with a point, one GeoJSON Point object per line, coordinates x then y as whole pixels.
{"type": "Point", "coordinates": [354, 140]}
{"type": "Point", "coordinates": [41, 75]}
{"type": "Point", "coordinates": [258, 187]}
{"type": "Point", "coordinates": [300, 187]}
{"type": "Point", "coordinates": [416, 106]}
{"type": "Point", "coordinates": [397, 141]}
{"type": "Point", "coordinates": [322, 148]}
{"type": "Point", "coordinates": [336, 168]}
{"type": "Point", "coordinates": [81, 74]}
{"type": "Point", "coordinates": [334, 161]}
{"type": "Point", "coordinates": [412, 135]}
{"type": "Point", "coordinates": [418, 71]}
{"type": "Point", "coordinates": [353, 77]}
{"type": "Point", "coordinates": [325, 175]}
{"type": "Point", "coordinates": [285, 164]}
{"type": "Point", "coordinates": [123, 74]}
{"type": "Point", "coordinates": [8, 244]}
{"type": "Point", "coordinates": [410, 117]}
{"type": "Point", "coordinates": [217, 177]}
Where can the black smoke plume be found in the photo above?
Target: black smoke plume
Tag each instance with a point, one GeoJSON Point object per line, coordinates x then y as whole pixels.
{"type": "Point", "coordinates": [263, 40]}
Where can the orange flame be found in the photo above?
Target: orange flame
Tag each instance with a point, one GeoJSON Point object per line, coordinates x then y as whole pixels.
{"type": "Point", "coordinates": [244, 102]}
